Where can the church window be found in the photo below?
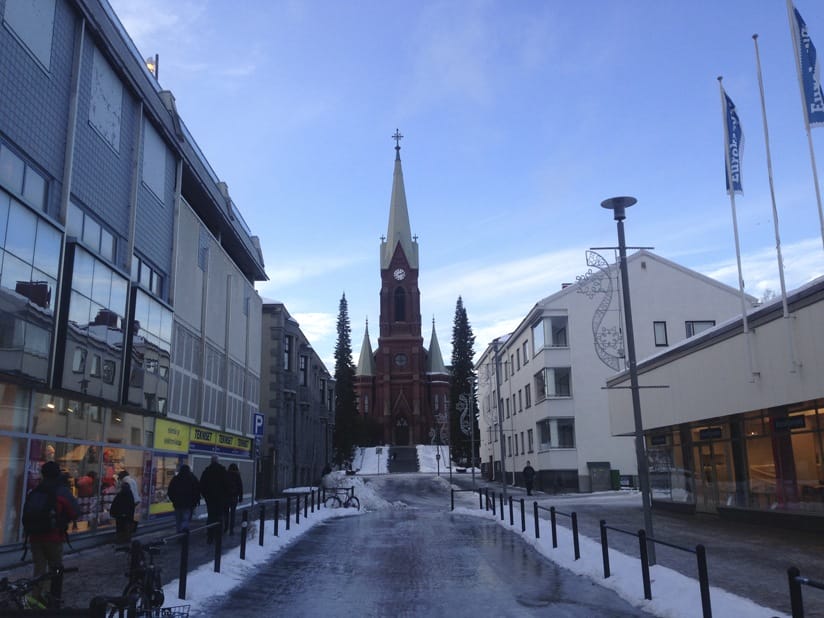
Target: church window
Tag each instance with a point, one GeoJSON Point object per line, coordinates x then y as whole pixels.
{"type": "Point", "coordinates": [400, 305]}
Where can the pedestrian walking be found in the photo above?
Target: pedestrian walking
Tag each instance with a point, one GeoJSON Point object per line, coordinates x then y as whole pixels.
{"type": "Point", "coordinates": [235, 485]}
{"type": "Point", "coordinates": [529, 477]}
{"type": "Point", "coordinates": [47, 512]}
{"type": "Point", "coordinates": [124, 477]}
{"type": "Point", "coordinates": [214, 489]}
{"type": "Point", "coordinates": [184, 492]}
{"type": "Point", "coordinates": [122, 511]}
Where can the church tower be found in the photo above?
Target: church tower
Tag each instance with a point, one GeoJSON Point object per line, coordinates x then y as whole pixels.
{"type": "Point", "coordinates": [402, 387]}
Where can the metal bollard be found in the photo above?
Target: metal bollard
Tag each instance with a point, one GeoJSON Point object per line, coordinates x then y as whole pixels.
{"type": "Point", "coordinates": [244, 530]}
{"type": "Point", "coordinates": [511, 516]}
{"type": "Point", "coordinates": [642, 541]}
{"type": "Point", "coordinates": [288, 508]}
{"type": "Point", "coordinates": [451, 499]}
{"type": "Point", "coordinates": [218, 547]}
{"type": "Point", "coordinates": [703, 580]}
{"type": "Point", "coordinates": [575, 535]}
{"type": "Point", "coordinates": [502, 506]}
{"type": "Point", "coordinates": [535, 514]}
{"type": "Point", "coordinates": [306, 506]}
{"type": "Point", "coordinates": [313, 500]}
{"type": "Point", "coordinates": [493, 504]}
{"type": "Point", "coordinates": [480, 498]}
{"type": "Point", "coordinates": [261, 524]}
{"type": "Point", "coordinates": [277, 515]}
{"type": "Point", "coordinates": [553, 527]}
{"type": "Point", "coordinates": [796, 600]}
{"type": "Point", "coordinates": [604, 547]}
{"type": "Point", "coordinates": [184, 565]}
{"type": "Point", "coordinates": [523, 517]}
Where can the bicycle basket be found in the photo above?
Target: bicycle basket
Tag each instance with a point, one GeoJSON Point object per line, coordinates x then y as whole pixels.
{"type": "Point", "coordinates": [177, 611]}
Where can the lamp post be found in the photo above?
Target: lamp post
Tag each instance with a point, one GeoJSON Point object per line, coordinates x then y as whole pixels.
{"type": "Point", "coordinates": [618, 206]}
{"type": "Point", "coordinates": [500, 417]}
{"type": "Point", "coordinates": [471, 381]}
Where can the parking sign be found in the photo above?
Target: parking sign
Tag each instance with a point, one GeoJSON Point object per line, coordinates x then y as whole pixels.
{"type": "Point", "coordinates": [258, 424]}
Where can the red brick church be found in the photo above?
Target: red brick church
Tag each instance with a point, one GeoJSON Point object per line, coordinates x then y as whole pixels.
{"type": "Point", "coordinates": [402, 386]}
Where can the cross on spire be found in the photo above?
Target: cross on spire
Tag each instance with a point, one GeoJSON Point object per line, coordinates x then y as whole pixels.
{"type": "Point", "coordinates": [397, 137]}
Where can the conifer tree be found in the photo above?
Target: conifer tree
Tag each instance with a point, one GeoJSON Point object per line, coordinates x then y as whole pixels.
{"type": "Point", "coordinates": [462, 382]}
{"type": "Point", "coordinates": [345, 404]}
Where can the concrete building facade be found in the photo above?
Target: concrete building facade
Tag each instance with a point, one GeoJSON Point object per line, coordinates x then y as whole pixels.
{"type": "Point", "coordinates": [541, 387]}
{"type": "Point", "coordinates": [298, 403]}
{"type": "Point", "coordinates": [129, 323]}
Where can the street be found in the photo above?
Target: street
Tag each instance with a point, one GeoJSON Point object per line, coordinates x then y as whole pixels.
{"type": "Point", "coordinates": [416, 559]}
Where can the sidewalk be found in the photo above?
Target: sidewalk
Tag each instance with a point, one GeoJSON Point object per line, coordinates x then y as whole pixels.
{"type": "Point", "coordinates": [748, 560]}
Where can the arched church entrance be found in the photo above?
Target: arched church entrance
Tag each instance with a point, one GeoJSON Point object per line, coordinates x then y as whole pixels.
{"type": "Point", "coordinates": [401, 431]}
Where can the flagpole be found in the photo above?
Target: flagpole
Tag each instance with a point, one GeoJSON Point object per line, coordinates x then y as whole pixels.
{"type": "Point", "coordinates": [796, 48]}
{"type": "Point", "coordinates": [774, 210]}
{"type": "Point", "coordinates": [731, 191]}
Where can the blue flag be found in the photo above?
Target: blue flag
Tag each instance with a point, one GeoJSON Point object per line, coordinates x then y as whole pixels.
{"type": "Point", "coordinates": [734, 140]}
{"type": "Point", "coordinates": [810, 73]}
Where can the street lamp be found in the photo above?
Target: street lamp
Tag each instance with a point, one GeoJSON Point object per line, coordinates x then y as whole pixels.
{"type": "Point", "coordinates": [500, 417]}
{"type": "Point", "coordinates": [618, 206]}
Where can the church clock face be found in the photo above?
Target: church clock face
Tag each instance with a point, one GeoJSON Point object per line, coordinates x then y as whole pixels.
{"type": "Point", "coordinates": [399, 274]}
{"type": "Point", "coordinates": [401, 360]}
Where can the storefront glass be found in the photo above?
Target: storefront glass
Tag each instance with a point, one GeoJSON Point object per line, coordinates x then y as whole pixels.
{"type": "Point", "coordinates": [14, 408]}
{"type": "Point", "coordinates": [670, 477]}
{"type": "Point", "coordinates": [66, 418]}
{"type": "Point", "coordinates": [12, 476]}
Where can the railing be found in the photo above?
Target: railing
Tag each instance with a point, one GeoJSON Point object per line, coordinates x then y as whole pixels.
{"type": "Point", "coordinates": [796, 581]}
{"type": "Point", "coordinates": [485, 502]}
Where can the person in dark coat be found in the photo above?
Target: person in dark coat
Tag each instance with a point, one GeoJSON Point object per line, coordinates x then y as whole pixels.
{"type": "Point", "coordinates": [214, 489]}
{"type": "Point", "coordinates": [122, 511]}
{"type": "Point", "coordinates": [47, 547]}
{"type": "Point", "coordinates": [529, 477]}
{"type": "Point", "coordinates": [235, 485]}
{"type": "Point", "coordinates": [184, 492]}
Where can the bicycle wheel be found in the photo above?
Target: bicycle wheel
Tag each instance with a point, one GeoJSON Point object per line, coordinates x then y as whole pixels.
{"type": "Point", "coordinates": [353, 501]}
{"type": "Point", "coordinates": [332, 502]}
{"type": "Point", "coordinates": [142, 598]}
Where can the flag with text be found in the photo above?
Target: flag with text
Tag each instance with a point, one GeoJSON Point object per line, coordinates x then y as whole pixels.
{"type": "Point", "coordinates": [810, 73]}
{"type": "Point", "coordinates": [734, 141]}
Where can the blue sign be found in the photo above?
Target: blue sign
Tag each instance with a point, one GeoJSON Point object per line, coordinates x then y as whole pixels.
{"type": "Point", "coordinates": [258, 424]}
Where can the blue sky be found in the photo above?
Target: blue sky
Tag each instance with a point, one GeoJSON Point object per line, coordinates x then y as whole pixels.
{"type": "Point", "coordinates": [519, 119]}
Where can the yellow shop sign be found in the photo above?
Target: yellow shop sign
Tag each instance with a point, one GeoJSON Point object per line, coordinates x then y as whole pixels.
{"type": "Point", "coordinates": [171, 436]}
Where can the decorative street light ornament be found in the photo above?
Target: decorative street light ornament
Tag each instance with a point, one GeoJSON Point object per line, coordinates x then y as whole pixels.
{"type": "Point", "coordinates": [608, 340]}
{"type": "Point", "coordinates": [464, 407]}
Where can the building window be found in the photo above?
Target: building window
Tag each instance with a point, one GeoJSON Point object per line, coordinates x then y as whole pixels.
{"type": "Point", "coordinates": [523, 450]}
{"type": "Point", "coordinates": [94, 236]}
{"type": "Point", "coordinates": [509, 446]}
{"type": "Point", "coordinates": [511, 364]}
{"type": "Point", "coordinates": [147, 276]}
{"type": "Point", "coordinates": [528, 395]}
{"type": "Point", "coordinates": [697, 326]}
{"type": "Point", "coordinates": [507, 407]}
{"type": "Point", "coordinates": [514, 405]}
{"type": "Point", "coordinates": [304, 370]}
{"type": "Point", "coordinates": [553, 382]}
{"type": "Point", "coordinates": [526, 357]}
{"type": "Point", "coordinates": [400, 305]}
{"type": "Point", "coordinates": [154, 162]}
{"type": "Point", "coordinates": [21, 179]}
{"type": "Point", "coordinates": [520, 400]}
{"type": "Point", "coordinates": [287, 352]}
{"type": "Point", "coordinates": [515, 452]}
{"type": "Point", "coordinates": [529, 439]}
{"type": "Point", "coordinates": [550, 332]}
{"type": "Point", "coordinates": [518, 359]}
{"type": "Point", "coordinates": [660, 329]}
{"type": "Point", "coordinates": [556, 433]}
{"type": "Point", "coordinates": [105, 101]}
{"type": "Point", "coordinates": [33, 23]}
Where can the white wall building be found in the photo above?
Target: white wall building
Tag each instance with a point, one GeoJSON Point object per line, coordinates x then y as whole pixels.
{"type": "Point", "coordinates": [722, 439]}
{"type": "Point", "coordinates": [552, 369]}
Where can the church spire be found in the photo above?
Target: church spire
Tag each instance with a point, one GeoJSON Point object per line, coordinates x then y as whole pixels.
{"type": "Point", "coordinates": [434, 363]}
{"type": "Point", "coordinates": [398, 231]}
{"type": "Point", "coordinates": [366, 360]}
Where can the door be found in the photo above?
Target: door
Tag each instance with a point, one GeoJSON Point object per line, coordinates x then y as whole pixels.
{"type": "Point", "coordinates": [714, 484]}
{"type": "Point", "coordinates": [401, 432]}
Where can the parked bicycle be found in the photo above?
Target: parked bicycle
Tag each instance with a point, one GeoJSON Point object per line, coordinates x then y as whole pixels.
{"type": "Point", "coordinates": [23, 594]}
{"type": "Point", "coordinates": [145, 585]}
{"type": "Point", "coordinates": [341, 497]}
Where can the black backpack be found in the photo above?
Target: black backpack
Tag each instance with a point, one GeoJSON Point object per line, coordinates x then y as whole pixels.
{"type": "Point", "coordinates": [40, 510]}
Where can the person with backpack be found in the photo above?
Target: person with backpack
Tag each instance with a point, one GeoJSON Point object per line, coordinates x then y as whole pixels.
{"type": "Point", "coordinates": [184, 492]}
{"type": "Point", "coordinates": [122, 511]}
{"type": "Point", "coordinates": [235, 484]}
{"type": "Point", "coordinates": [47, 512]}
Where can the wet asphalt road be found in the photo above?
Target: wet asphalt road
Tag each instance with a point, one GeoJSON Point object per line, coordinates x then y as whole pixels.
{"type": "Point", "coordinates": [416, 560]}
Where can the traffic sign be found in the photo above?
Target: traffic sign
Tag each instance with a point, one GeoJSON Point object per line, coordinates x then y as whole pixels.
{"type": "Point", "coordinates": [258, 424]}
